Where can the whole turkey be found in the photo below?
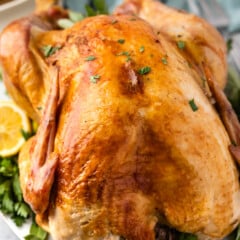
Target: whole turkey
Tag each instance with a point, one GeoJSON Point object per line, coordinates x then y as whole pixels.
{"type": "Point", "coordinates": [134, 127]}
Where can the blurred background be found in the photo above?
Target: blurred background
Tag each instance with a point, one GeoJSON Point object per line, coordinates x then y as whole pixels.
{"type": "Point", "coordinates": [229, 10]}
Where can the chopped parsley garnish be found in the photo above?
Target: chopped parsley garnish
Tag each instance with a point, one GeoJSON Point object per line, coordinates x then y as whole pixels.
{"type": "Point", "coordinates": [90, 58]}
{"type": "Point", "coordinates": [144, 70]}
{"type": "Point", "coordinates": [193, 105]}
{"type": "Point", "coordinates": [141, 49]}
{"type": "Point", "coordinates": [127, 54]}
{"type": "Point", "coordinates": [123, 54]}
{"type": "Point", "coordinates": [49, 50]}
{"type": "Point", "coordinates": [0, 75]}
{"type": "Point", "coordinates": [164, 60]}
{"type": "Point", "coordinates": [181, 44]}
{"type": "Point", "coordinates": [94, 78]}
{"type": "Point", "coordinates": [121, 41]}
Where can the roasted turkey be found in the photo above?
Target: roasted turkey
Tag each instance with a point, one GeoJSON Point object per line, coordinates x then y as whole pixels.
{"type": "Point", "coordinates": [134, 127]}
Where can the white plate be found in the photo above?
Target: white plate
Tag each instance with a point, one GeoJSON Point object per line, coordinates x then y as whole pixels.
{"type": "Point", "coordinates": [14, 232]}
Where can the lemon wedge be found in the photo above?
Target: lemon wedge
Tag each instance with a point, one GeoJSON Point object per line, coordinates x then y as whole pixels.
{"type": "Point", "coordinates": [13, 121]}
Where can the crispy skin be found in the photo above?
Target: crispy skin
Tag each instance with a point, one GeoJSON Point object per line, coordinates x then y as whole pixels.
{"type": "Point", "coordinates": [25, 71]}
{"type": "Point", "coordinates": [204, 44]}
{"type": "Point", "coordinates": [127, 151]}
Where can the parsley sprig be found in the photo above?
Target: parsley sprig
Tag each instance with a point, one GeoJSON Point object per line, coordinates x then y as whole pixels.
{"type": "Point", "coordinates": [97, 7]}
{"type": "Point", "coordinates": [11, 200]}
{"type": "Point", "coordinates": [36, 233]}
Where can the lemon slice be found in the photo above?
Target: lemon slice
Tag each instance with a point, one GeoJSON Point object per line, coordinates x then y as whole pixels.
{"type": "Point", "coordinates": [13, 120]}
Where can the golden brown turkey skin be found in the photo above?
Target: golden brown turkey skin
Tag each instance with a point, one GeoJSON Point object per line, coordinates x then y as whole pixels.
{"type": "Point", "coordinates": [203, 44]}
{"type": "Point", "coordinates": [24, 69]}
{"type": "Point", "coordinates": [128, 149]}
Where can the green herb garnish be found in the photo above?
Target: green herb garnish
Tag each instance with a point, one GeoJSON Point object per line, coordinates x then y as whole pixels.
{"type": "Point", "coordinates": [127, 54]}
{"type": "Point", "coordinates": [26, 135]}
{"type": "Point", "coordinates": [94, 78]}
{"type": "Point", "coordinates": [193, 105]}
{"type": "Point", "coordinates": [164, 60]}
{"type": "Point", "coordinates": [11, 200]}
{"type": "Point", "coordinates": [49, 50]}
{"type": "Point", "coordinates": [141, 49]}
{"type": "Point", "coordinates": [22, 209]}
{"type": "Point", "coordinates": [121, 41]}
{"type": "Point", "coordinates": [181, 44]}
{"type": "Point", "coordinates": [36, 233]}
{"type": "Point", "coordinates": [98, 7]}
{"type": "Point", "coordinates": [123, 54]}
{"type": "Point", "coordinates": [90, 58]}
{"type": "Point", "coordinates": [144, 70]}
